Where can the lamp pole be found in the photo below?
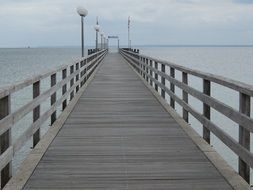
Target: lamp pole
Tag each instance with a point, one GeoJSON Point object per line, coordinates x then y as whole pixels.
{"type": "Point", "coordinates": [101, 40]}
{"type": "Point", "coordinates": [82, 12]}
{"type": "Point", "coordinates": [96, 27]}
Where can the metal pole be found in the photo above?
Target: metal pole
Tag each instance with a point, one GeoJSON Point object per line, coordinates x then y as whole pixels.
{"type": "Point", "coordinates": [96, 40]}
{"type": "Point", "coordinates": [118, 43]}
{"type": "Point", "coordinates": [101, 41]}
{"type": "Point", "coordinates": [128, 32]}
{"type": "Point", "coordinates": [82, 36]}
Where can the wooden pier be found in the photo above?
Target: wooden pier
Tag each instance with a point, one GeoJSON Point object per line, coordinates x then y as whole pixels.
{"type": "Point", "coordinates": [118, 133]}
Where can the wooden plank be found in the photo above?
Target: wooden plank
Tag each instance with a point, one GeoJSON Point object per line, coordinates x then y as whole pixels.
{"type": "Point", "coordinates": [185, 96]}
{"type": "Point", "coordinates": [36, 112]}
{"type": "Point", "coordinates": [119, 137]}
{"type": "Point", "coordinates": [53, 97]}
{"type": "Point", "coordinates": [206, 109]}
{"type": "Point", "coordinates": [226, 110]}
{"type": "Point", "coordinates": [5, 142]}
{"type": "Point", "coordinates": [244, 137]}
{"type": "Point", "coordinates": [231, 143]}
{"type": "Point", "coordinates": [233, 84]}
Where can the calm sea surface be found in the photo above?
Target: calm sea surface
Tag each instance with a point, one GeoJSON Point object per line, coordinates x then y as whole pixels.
{"type": "Point", "coordinates": [231, 62]}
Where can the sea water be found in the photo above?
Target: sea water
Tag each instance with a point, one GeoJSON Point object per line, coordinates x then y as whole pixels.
{"type": "Point", "coordinates": [232, 62]}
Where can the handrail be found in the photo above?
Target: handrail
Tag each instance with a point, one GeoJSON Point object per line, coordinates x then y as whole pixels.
{"type": "Point", "coordinates": [75, 74]}
{"type": "Point", "coordinates": [230, 83]}
{"type": "Point", "coordinates": [148, 68]}
{"type": "Point", "coordinates": [6, 90]}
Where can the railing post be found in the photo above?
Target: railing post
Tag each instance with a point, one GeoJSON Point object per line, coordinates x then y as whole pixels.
{"type": "Point", "coordinates": [141, 66]}
{"type": "Point", "coordinates": [185, 97]}
{"type": "Point", "coordinates": [206, 109]}
{"type": "Point", "coordinates": [84, 70]}
{"type": "Point", "coordinates": [156, 76]}
{"type": "Point", "coordinates": [5, 139]}
{"type": "Point", "coordinates": [151, 72]}
{"type": "Point", "coordinates": [147, 69]}
{"type": "Point", "coordinates": [144, 68]}
{"type": "Point", "coordinates": [172, 87]}
{"type": "Point", "coordinates": [77, 76]}
{"type": "Point", "coordinates": [163, 80]}
{"type": "Point", "coordinates": [244, 136]}
{"type": "Point", "coordinates": [71, 81]}
{"type": "Point", "coordinates": [36, 112]}
{"type": "Point", "coordinates": [53, 97]}
{"type": "Point", "coordinates": [64, 89]}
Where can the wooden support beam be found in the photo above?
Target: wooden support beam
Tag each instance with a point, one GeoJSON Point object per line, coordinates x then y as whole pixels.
{"type": "Point", "coordinates": [206, 109]}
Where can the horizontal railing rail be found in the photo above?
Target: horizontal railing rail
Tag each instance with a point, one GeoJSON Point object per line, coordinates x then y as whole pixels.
{"type": "Point", "coordinates": [154, 72]}
{"type": "Point", "coordinates": [73, 76]}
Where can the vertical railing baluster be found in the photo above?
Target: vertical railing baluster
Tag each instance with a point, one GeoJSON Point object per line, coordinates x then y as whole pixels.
{"type": "Point", "coordinates": [53, 97]}
{"type": "Point", "coordinates": [151, 72]}
{"type": "Point", "coordinates": [64, 89]}
{"type": "Point", "coordinates": [244, 136]}
{"type": "Point", "coordinates": [206, 109]}
{"type": "Point", "coordinates": [36, 112]}
{"type": "Point", "coordinates": [77, 77]}
{"type": "Point", "coordinates": [144, 68]}
{"type": "Point", "coordinates": [84, 70]}
{"type": "Point", "coordinates": [172, 87]}
{"type": "Point", "coordinates": [141, 73]}
{"type": "Point", "coordinates": [72, 82]}
{"type": "Point", "coordinates": [147, 78]}
{"type": "Point", "coordinates": [185, 97]}
{"type": "Point", "coordinates": [163, 80]}
{"type": "Point", "coordinates": [5, 139]}
{"type": "Point", "coordinates": [156, 76]}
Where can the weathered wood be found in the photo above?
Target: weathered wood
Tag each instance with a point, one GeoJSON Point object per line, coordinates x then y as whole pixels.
{"type": "Point", "coordinates": [14, 117]}
{"type": "Point", "coordinates": [53, 97]}
{"type": "Point", "coordinates": [185, 96]}
{"type": "Point", "coordinates": [206, 109]}
{"type": "Point", "coordinates": [151, 72]}
{"type": "Point", "coordinates": [163, 80]}
{"type": "Point", "coordinates": [64, 88]}
{"type": "Point", "coordinates": [146, 66]}
{"type": "Point", "coordinates": [226, 110]}
{"type": "Point", "coordinates": [156, 76]}
{"type": "Point", "coordinates": [72, 82]}
{"type": "Point", "coordinates": [110, 142]}
{"type": "Point", "coordinates": [36, 112]}
{"type": "Point", "coordinates": [5, 140]}
{"type": "Point", "coordinates": [172, 87]}
{"type": "Point", "coordinates": [244, 137]}
{"type": "Point", "coordinates": [77, 76]}
{"type": "Point", "coordinates": [233, 84]}
{"type": "Point", "coordinates": [245, 155]}
{"type": "Point", "coordinates": [27, 82]}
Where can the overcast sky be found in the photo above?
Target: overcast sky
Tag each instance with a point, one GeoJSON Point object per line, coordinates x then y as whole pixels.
{"type": "Point", "coordinates": [159, 22]}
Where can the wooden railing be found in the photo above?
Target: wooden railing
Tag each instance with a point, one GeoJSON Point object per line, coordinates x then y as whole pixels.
{"type": "Point", "coordinates": [150, 68]}
{"type": "Point", "coordinates": [73, 76]}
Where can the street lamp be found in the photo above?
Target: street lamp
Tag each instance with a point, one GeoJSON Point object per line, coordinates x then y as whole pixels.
{"type": "Point", "coordinates": [102, 34]}
{"type": "Point", "coordinates": [96, 27]}
{"type": "Point", "coordinates": [83, 13]}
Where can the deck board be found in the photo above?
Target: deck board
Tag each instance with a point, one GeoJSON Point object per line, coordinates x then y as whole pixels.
{"type": "Point", "coordinates": [119, 137]}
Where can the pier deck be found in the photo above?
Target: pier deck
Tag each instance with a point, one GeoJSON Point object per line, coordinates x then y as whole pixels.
{"type": "Point", "coordinates": [120, 137]}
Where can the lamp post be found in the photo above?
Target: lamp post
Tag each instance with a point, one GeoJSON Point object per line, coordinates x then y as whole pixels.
{"type": "Point", "coordinates": [96, 27]}
{"type": "Point", "coordinates": [102, 40]}
{"type": "Point", "coordinates": [82, 12]}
